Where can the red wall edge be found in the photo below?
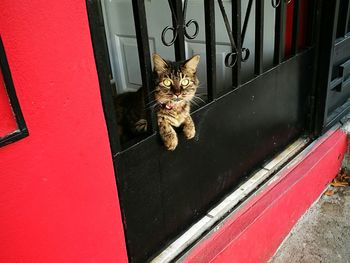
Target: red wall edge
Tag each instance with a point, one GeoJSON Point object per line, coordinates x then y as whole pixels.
{"type": "Point", "coordinates": [256, 230]}
{"type": "Point", "coordinates": [7, 119]}
{"type": "Point", "coordinates": [58, 196]}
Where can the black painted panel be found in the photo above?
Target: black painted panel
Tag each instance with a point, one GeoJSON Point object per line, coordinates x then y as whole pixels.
{"type": "Point", "coordinates": [337, 59]}
{"type": "Point", "coordinates": [163, 192]}
{"type": "Point", "coordinates": [339, 95]}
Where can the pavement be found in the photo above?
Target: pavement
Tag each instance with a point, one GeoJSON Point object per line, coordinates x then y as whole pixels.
{"type": "Point", "coordinates": [322, 234]}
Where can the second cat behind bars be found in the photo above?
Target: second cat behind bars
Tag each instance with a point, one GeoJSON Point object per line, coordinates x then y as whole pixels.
{"type": "Point", "coordinates": [175, 87]}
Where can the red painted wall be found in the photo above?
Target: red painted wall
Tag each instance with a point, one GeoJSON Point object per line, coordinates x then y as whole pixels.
{"type": "Point", "coordinates": [58, 198]}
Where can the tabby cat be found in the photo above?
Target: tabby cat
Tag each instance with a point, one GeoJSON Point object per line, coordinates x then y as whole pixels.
{"type": "Point", "coordinates": [175, 87]}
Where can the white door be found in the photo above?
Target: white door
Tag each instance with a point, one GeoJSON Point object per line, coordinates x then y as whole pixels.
{"type": "Point", "coordinates": [122, 43]}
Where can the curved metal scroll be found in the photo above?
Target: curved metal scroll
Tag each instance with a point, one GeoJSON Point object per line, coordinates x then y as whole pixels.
{"type": "Point", "coordinates": [185, 25]}
{"type": "Point", "coordinates": [231, 58]}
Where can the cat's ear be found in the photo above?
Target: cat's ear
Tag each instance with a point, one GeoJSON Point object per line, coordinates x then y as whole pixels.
{"type": "Point", "coordinates": [191, 64]}
{"type": "Point", "coordinates": [160, 64]}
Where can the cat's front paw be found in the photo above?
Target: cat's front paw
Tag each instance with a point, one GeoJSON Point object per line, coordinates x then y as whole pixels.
{"type": "Point", "coordinates": [171, 141]}
{"type": "Point", "coordinates": [189, 132]}
{"type": "Point", "coordinates": [141, 126]}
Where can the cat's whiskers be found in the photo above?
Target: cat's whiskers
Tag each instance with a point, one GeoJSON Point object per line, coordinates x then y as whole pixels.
{"type": "Point", "coordinates": [198, 98]}
{"type": "Point", "coordinates": [153, 91]}
{"type": "Point", "coordinates": [193, 102]}
{"type": "Point", "coordinates": [152, 106]}
{"type": "Point", "coordinates": [150, 102]}
{"type": "Point", "coordinates": [200, 86]}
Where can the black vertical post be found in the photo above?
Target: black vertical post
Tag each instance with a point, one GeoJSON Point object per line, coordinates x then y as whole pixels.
{"type": "Point", "coordinates": [296, 26]}
{"type": "Point", "coordinates": [346, 29]}
{"type": "Point", "coordinates": [144, 54]}
{"type": "Point", "coordinates": [236, 30]}
{"type": "Point", "coordinates": [179, 44]}
{"type": "Point", "coordinates": [259, 37]}
{"type": "Point", "coordinates": [311, 21]}
{"type": "Point", "coordinates": [280, 23]}
{"type": "Point", "coordinates": [99, 41]}
{"type": "Point", "coordinates": [209, 11]}
{"type": "Point", "coordinates": [343, 18]}
{"type": "Point", "coordinates": [325, 37]}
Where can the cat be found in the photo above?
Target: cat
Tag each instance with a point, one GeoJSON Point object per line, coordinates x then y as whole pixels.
{"type": "Point", "coordinates": [175, 85]}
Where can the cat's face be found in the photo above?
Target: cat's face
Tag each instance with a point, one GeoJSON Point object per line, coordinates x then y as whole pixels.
{"type": "Point", "coordinates": [175, 82]}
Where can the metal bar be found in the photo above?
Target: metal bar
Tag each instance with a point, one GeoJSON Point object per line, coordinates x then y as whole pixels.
{"type": "Point", "coordinates": [231, 57]}
{"type": "Point", "coordinates": [346, 29]}
{"type": "Point", "coordinates": [227, 24]}
{"type": "Point", "coordinates": [144, 56]}
{"type": "Point", "coordinates": [311, 21]}
{"type": "Point", "coordinates": [259, 37]}
{"type": "Point", "coordinates": [209, 10]}
{"type": "Point", "coordinates": [346, 14]}
{"type": "Point", "coordinates": [246, 19]}
{"type": "Point", "coordinates": [179, 44]}
{"type": "Point", "coordinates": [236, 28]}
{"type": "Point", "coordinates": [342, 19]}
{"type": "Point", "coordinates": [296, 27]}
{"type": "Point", "coordinates": [280, 23]}
{"type": "Point", "coordinates": [325, 36]}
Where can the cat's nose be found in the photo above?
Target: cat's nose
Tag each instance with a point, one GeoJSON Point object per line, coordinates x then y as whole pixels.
{"type": "Point", "coordinates": [178, 93]}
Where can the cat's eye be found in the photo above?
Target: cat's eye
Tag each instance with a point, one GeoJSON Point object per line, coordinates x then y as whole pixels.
{"type": "Point", "coordinates": [185, 82]}
{"type": "Point", "coordinates": [167, 82]}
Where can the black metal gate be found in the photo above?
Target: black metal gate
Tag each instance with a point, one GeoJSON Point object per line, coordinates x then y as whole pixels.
{"type": "Point", "coordinates": [333, 62]}
{"type": "Point", "coordinates": [162, 193]}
